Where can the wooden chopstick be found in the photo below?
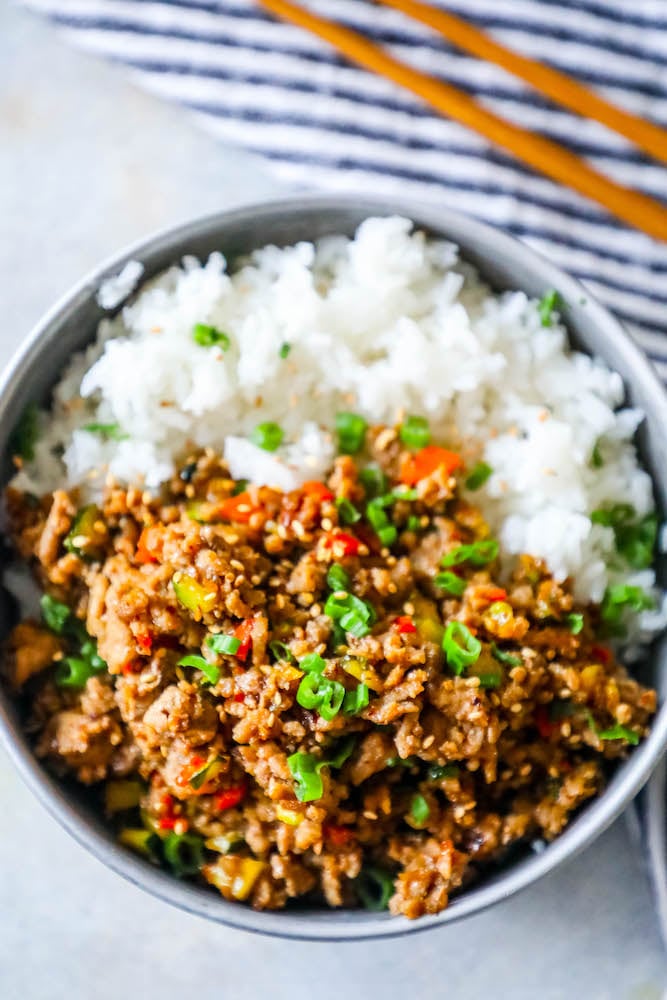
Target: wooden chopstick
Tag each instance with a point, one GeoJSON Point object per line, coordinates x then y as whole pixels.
{"type": "Point", "coordinates": [560, 87]}
{"type": "Point", "coordinates": [542, 154]}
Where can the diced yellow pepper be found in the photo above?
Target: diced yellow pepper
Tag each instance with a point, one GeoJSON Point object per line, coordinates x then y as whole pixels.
{"type": "Point", "coordinates": [120, 795]}
{"type": "Point", "coordinates": [88, 534]}
{"type": "Point", "coordinates": [289, 816]}
{"type": "Point", "coordinates": [195, 596]}
{"type": "Point", "coordinates": [358, 668]}
{"type": "Point", "coordinates": [233, 876]}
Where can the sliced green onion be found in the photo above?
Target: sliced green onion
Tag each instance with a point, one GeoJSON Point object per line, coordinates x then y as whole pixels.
{"type": "Point", "coordinates": [414, 523]}
{"type": "Point", "coordinates": [635, 539]}
{"type": "Point", "coordinates": [489, 678]}
{"type": "Point", "coordinates": [312, 663]}
{"type": "Point", "coordinates": [402, 493]}
{"type": "Point", "coordinates": [73, 672]}
{"type": "Point", "coordinates": [450, 582]}
{"type": "Point", "coordinates": [280, 651]}
{"type": "Point", "coordinates": [285, 348]}
{"type": "Point", "coordinates": [110, 432]}
{"type": "Point", "coordinates": [399, 761]}
{"type": "Point", "coordinates": [374, 888]}
{"type": "Point", "coordinates": [618, 732]}
{"type": "Point", "coordinates": [620, 597]}
{"type": "Point", "coordinates": [240, 486]}
{"type": "Point", "coordinates": [479, 554]}
{"type": "Point", "coordinates": [268, 436]}
{"type": "Point", "coordinates": [351, 430]}
{"type": "Point", "coordinates": [309, 784]}
{"type": "Point", "coordinates": [354, 615]}
{"type": "Point", "coordinates": [228, 645]}
{"type": "Point", "coordinates": [439, 772]}
{"type": "Point", "coordinates": [347, 512]}
{"type": "Point", "coordinates": [337, 578]}
{"type": "Point", "coordinates": [55, 613]}
{"type": "Point", "coordinates": [504, 657]}
{"type": "Point", "coordinates": [478, 476]}
{"type": "Point", "coordinates": [356, 701]}
{"type": "Point", "coordinates": [575, 621]}
{"type": "Point", "coordinates": [549, 301]}
{"type": "Point", "coordinates": [320, 693]}
{"type": "Point", "coordinates": [345, 748]}
{"type": "Point", "coordinates": [209, 670]}
{"type": "Point", "coordinates": [388, 534]}
{"type": "Point", "coordinates": [23, 438]}
{"type": "Point", "coordinates": [375, 512]}
{"type": "Point", "coordinates": [183, 852]}
{"type": "Point", "coordinates": [209, 336]}
{"type": "Point", "coordinates": [200, 777]}
{"type": "Point", "coordinates": [373, 480]}
{"type": "Point", "coordinates": [460, 647]}
{"type": "Point", "coordinates": [419, 809]}
{"type": "Point", "coordinates": [415, 432]}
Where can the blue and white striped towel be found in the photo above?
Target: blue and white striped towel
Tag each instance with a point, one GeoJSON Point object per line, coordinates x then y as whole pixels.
{"type": "Point", "coordinates": [274, 89]}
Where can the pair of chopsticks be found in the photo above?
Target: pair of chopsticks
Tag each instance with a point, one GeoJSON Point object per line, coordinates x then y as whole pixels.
{"type": "Point", "coordinates": [542, 154]}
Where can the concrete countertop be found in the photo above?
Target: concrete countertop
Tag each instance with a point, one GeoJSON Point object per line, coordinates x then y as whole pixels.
{"type": "Point", "coordinates": [87, 164]}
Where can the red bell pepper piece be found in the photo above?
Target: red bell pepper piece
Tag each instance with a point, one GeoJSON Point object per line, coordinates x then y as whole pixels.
{"type": "Point", "coordinates": [425, 462]}
{"type": "Point", "coordinates": [404, 625]}
{"type": "Point", "coordinates": [243, 633]}
{"type": "Point", "coordinates": [348, 543]}
{"type": "Point", "coordinates": [317, 491]}
{"type": "Point", "coordinates": [230, 797]}
{"type": "Point", "coordinates": [338, 835]}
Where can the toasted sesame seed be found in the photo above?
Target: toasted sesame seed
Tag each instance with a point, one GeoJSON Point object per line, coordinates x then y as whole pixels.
{"type": "Point", "coordinates": [327, 523]}
{"type": "Point", "coordinates": [517, 708]}
{"type": "Point", "coordinates": [428, 742]}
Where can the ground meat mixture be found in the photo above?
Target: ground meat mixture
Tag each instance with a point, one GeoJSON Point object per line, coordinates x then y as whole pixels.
{"type": "Point", "coordinates": [320, 695]}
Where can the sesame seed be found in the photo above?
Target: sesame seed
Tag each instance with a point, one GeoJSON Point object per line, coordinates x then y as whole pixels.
{"type": "Point", "coordinates": [327, 523]}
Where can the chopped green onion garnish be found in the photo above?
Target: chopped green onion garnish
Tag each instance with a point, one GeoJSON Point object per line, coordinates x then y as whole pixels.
{"type": "Point", "coordinates": [337, 578]}
{"type": "Point", "coordinates": [415, 432]}
{"type": "Point", "coordinates": [460, 647]}
{"type": "Point", "coordinates": [504, 657]}
{"type": "Point", "coordinates": [110, 432]}
{"type": "Point", "coordinates": [312, 664]}
{"type": "Point", "coordinates": [209, 670]}
{"type": "Point", "coordinates": [479, 554]}
{"type": "Point", "coordinates": [478, 476]}
{"type": "Point", "coordinates": [354, 615]}
{"type": "Point", "coordinates": [200, 777]}
{"type": "Point", "coordinates": [309, 784]}
{"type": "Point", "coordinates": [374, 888]}
{"type": "Point", "coordinates": [209, 336]}
{"type": "Point", "coordinates": [635, 540]}
{"type": "Point", "coordinates": [55, 613]}
{"type": "Point", "coordinates": [356, 701]}
{"type": "Point", "coordinates": [597, 461]}
{"type": "Point", "coordinates": [438, 772]}
{"type": "Point", "coordinates": [24, 436]}
{"type": "Point", "coordinates": [489, 678]}
{"type": "Point", "coordinates": [375, 512]}
{"type": "Point", "coordinates": [388, 534]}
{"type": "Point", "coordinates": [320, 693]}
{"type": "Point", "coordinates": [419, 809]}
{"type": "Point", "coordinates": [74, 672]}
{"type": "Point", "coordinates": [281, 652]}
{"type": "Point", "coordinates": [347, 512]}
{"type": "Point", "coordinates": [618, 732]}
{"type": "Point", "coordinates": [549, 301]}
{"type": "Point", "coordinates": [268, 436]}
{"type": "Point", "coordinates": [620, 597]}
{"type": "Point", "coordinates": [450, 582]}
{"type": "Point", "coordinates": [575, 622]}
{"type": "Point", "coordinates": [229, 645]}
{"type": "Point", "coordinates": [414, 523]}
{"type": "Point", "coordinates": [183, 852]}
{"type": "Point", "coordinates": [240, 486]}
{"type": "Point", "coordinates": [284, 350]}
{"type": "Point", "coordinates": [373, 480]}
{"type": "Point", "coordinates": [351, 430]}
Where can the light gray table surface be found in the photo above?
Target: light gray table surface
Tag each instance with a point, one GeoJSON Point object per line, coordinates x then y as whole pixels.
{"type": "Point", "coordinates": [87, 164]}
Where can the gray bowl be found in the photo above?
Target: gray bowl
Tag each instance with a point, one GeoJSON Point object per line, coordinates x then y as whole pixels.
{"type": "Point", "coordinates": [505, 263]}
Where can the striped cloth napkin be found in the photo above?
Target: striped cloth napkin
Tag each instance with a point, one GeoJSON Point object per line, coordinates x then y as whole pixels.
{"type": "Point", "coordinates": [274, 89]}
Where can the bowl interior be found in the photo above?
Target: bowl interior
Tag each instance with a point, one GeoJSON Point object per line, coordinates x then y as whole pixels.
{"type": "Point", "coordinates": [504, 263]}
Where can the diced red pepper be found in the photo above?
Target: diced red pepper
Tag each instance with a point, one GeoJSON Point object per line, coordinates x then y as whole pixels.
{"type": "Point", "coordinates": [404, 625]}
{"type": "Point", "coordinates": [348, 544]}
{"type": "Point", "coordinates": [131, 666]}
{"type": "Point", "coordinates": [146, 546]}
{"type": "Point", "coordinates": [239, 508]}
{"type": "Point", "coordinates": [243, 633]}
{"type": "Point", "coordinates": [491, 594]}
{"type": "Point", "coordinates": [425, 462]}
{"type": "Point", "coordinates": [145, 642]}
{"type": "Point", "coordinates": [239, 697]}
{"type": "Point", "coordinates": [601, 653]}
{"type": "Point", "coordinates": [545, 726]}
{"type": "Point", "coordinates": [317, 491]}
{"type": "Point", "coordinates": [338, 835]}
{"type": "Point", "coordinates": [230, 797]}
{"type": "Point", "coordinates": [167, 822]}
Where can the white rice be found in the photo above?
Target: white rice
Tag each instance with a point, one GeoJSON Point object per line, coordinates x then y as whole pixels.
{"type": "Point", "coordinates": [384, 324]}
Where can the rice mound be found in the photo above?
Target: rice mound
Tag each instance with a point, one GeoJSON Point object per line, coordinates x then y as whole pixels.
{"type": "Point", "coordinates": [387, 323]}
